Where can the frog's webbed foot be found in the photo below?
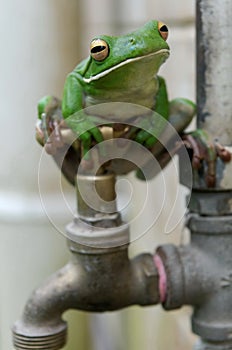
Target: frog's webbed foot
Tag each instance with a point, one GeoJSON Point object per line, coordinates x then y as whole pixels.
{"type": "Point", "coordinates": [202, 148]}
{"type": "Point", "coordinates": [57, 139]}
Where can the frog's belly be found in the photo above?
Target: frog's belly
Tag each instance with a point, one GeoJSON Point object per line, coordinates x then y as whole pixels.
{"type": "Point", "coordinates": [122, 107]}
{"type": "Point", "coordinates": [117, 111]}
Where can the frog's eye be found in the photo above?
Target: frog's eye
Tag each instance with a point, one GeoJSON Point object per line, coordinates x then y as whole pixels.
{"type": "Point", "coordinates": [99, 49]}
{"type": "Point", "coordinates": [163, 30]}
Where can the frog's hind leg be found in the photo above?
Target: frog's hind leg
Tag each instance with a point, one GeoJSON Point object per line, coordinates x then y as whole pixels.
{"type": "Point", "coordinates": [181, 113]}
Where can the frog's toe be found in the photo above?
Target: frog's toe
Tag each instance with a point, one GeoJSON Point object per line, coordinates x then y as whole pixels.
{"type": "Point", "coordinates": [39, 134]}
{"type": "Point", "coordinates": [58, 140]}
{"type": "Point", "coordinates": [222, 152]}
{"type": "Point", "coordinates": [50, 147]}
{"type": "Point", "coordinates": [196, 148]}
{"type": "Point", "coordinates": [205, 151]}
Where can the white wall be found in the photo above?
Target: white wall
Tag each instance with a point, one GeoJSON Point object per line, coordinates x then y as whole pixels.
{"type": "Point", "coordinates": [39, 45]}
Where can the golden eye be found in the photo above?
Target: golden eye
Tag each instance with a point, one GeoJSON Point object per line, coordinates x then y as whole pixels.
{"type": "Point", "coordinates": [163, 29]}
{"type": "Point", "coordinates": [99, 49]}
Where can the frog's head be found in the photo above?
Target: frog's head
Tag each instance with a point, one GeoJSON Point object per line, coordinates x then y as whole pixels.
{"type": "Point", "coordinates": [127, 60]}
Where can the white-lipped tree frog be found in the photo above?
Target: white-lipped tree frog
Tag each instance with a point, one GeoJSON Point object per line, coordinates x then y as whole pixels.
{"type": "Point", "coordinates": [123, 69]}
{"type": "Point", "coordinates": [118, 69]}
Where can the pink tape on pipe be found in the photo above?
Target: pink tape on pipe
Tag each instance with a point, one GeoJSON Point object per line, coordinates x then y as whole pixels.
{"type": "Point", "coordinates": [162, 277]}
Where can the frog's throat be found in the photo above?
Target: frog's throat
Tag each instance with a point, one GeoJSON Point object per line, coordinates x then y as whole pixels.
{"type": "Point", "coordinates": [123, 63]}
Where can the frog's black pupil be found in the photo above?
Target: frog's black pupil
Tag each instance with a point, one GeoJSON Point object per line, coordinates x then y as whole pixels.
{"type": "Point", "coordinates": [98, 48]}
{"type": "Point", "coordinates": [164, 29]}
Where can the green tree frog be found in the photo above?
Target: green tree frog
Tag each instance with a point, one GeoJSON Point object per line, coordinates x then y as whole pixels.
{"type": "Point", "coordinates": [118, 69]}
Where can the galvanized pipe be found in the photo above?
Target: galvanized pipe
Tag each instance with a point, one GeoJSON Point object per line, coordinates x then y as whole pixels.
{"type": "Point", "coordinates": [211, 223]}
{"type": "Point", "coordinates": [214, 83]}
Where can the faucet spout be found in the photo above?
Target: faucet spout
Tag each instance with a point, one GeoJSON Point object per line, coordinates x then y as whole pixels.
{"type": "Point", "coordinates": [97, 281]}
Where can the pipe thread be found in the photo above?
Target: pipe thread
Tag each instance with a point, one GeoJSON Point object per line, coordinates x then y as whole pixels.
{"type": "Point", "coordinates": [48, 342]}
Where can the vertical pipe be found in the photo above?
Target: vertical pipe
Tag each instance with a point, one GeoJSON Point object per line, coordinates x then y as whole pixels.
{"type": "Point", "coordinates": [214, 83]}
{"type": "Point", "coordinates": [214, 92]}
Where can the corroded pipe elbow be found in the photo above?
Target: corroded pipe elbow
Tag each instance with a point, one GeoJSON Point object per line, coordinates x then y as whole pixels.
{"type": "Point", "coordinates": [90, 282]}
{"type": "Point", "coordinates": [199, 274]}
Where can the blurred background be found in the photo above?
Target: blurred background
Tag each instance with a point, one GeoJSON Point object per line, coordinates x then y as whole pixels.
{"type": "Point", "coordinates": [41, 41]}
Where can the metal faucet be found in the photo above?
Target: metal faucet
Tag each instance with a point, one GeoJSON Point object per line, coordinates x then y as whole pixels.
{"type": "Point", "coordinates": [99, 276]}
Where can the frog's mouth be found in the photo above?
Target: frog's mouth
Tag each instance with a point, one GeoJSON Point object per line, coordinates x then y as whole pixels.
{"type": "Point", "coordinates": [164, 52]}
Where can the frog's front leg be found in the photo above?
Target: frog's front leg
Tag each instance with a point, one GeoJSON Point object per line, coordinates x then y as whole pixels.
{"type": "Point", "coordinates": [84, 126]}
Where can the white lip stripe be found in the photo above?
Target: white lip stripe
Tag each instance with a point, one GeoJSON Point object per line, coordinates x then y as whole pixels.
{"type": "Point", "coordinates": [102, 74]}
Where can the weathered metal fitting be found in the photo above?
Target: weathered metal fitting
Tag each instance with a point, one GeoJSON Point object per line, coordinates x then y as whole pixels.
{"type": "Point", "coordinates": [207, 225]}
{"type": "Point", "coordinates": [26, 337]}
{"type": "Point", "coordinates": [211, 202]}
{"type": "Point", "coordinates": [83, 237]}
{"type": "Point", "coordinates": [189, 275]}
{"type": "Point", "coordinates": [96, 197]}
{"type": "Point", "coordinates": [170, 257]}
{"type": "Point", "coordinates": [89, 282]}
{"type": "Point", "coordinates": [212, 316]}
{"type": "Point", "coordinates": [146, 279]}
{"type": "Point", "coordinates": [205, 345]}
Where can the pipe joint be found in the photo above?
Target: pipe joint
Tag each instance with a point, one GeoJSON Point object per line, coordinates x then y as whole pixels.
{"type": "Point", "coordinates": [200, 274]}
{"type": "Point", "coordinates": [190, 275]}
